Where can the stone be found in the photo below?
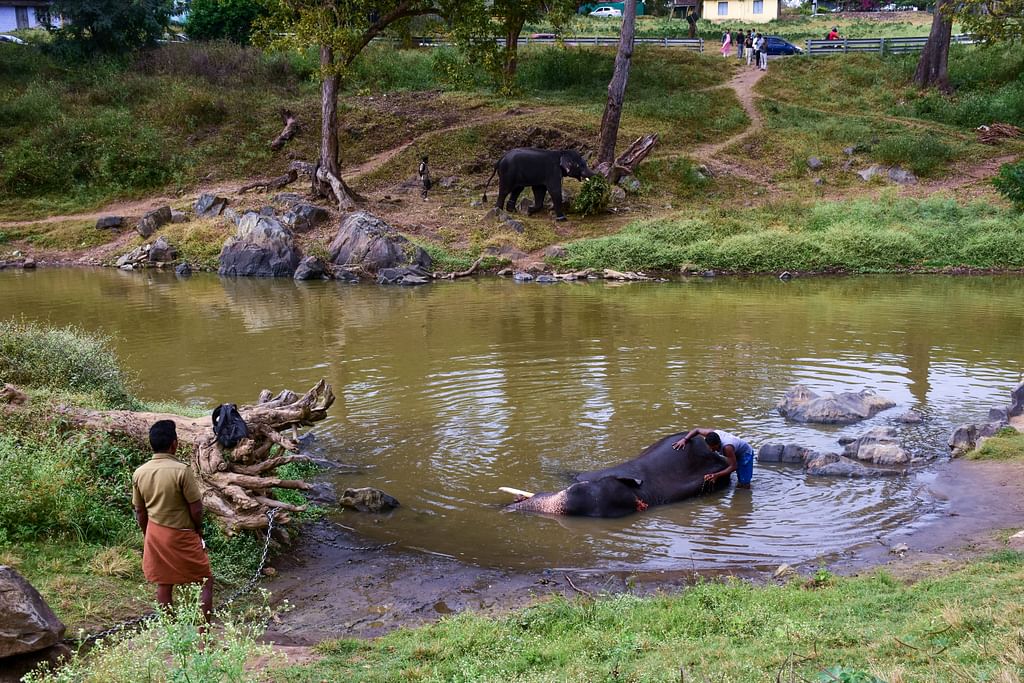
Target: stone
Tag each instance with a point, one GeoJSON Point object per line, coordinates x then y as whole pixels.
{"type": "Point", "coordinates": [232, 215]}
{"type": "Point", "coordinates": [545, 278]}
{"type": "Point", "coordinates": [137, 255]}
{"type": "Point", "coordinates": [869, 172]}
{"type": "Point", "coordinates": [785, 276]}
{"type": "Point", "coordinates": [178, 216]}
{"type": "Point", "coordinates": [709, 273]}
{"type": "Point", "coordinates": [183, 270]}
{"type": "Point", "coordinates": [630, 184]}
{"type": "Point", "coordinates": [210, 205]}
{"type": "Point", "coordinates": [304, 217]}
{"type": "Point", "coordinates": [814, 163]}
{"type": "Point", "coordinates": [849, 151]}
{"type": "Point", "coordinates": [1001, 415]}
{"type": "Point", "coordinates": [261, 247]}
{"type": "Point", "coordinates": [900, 549]}
{"type": "Point", "coordinates": [818, 182]}
{"type": "Point", "coordinates": [555, 251]}
{"type": "Point", "coordinates": [963, 439]}
{"type": "Point", "coordinates": [524, 205]}
{"type": "Point", "coordinates": [27, 624]}
{"type": "Point", "coordinates": [311, 268]}
{"type": "Point", "coordinates": [448, 182]}
{"type": "Point", "coordinates": [367, 500]}
{"type": "Point", "coordinates": [162, 251]}
{"type": "Point", "coordinates": [879, 446]}
{"type": "Point", "coordinates": [153, 221]}
{"type": "Point", "coordinates": [800, 404]}
{"type": "Point", "coordinates": [477, 204]}
{"type": "Point", "coordinates": [1017, 401]}
{"type": "Point", "coordinates": [346, 275]}
{"type": "Point", "coordinates": [790, 453]}
{"type": "Point", "coordinates": [910, 417]}
{"type": "Point", "coordinates": [783, 571]}
{"type": "Point", "coordinates": [521, 276]}
{"type": "Point", "coordinates": [286, 198]}
{"type": "Point", "coordinates": [618, 194]}
{"type": "Point", "coordinates": [902, 176]}
{"type": "Point", "coordinates": [268, 211]}
{"type": "Point", "coordinates": [368, 242]}
{"type": "Point", "coordinates": [505, 220]}
{"type": "Point", "coordinates": [835, 465]}
{"type": "Point", "coordinates": [1016, 541]}
{"type": "Point", "coordinates": [110, 223]}
{"type": "Point", "coordinates": [404, 275]}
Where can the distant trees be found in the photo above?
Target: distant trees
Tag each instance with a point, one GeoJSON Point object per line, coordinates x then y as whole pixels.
{"type": "Point", "coordinates": [107, 26]}
{"type": "Point", "coordinates": [223, 19]}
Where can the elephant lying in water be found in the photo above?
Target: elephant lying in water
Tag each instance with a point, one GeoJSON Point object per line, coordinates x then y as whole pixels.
{"type": "Point", "coordinates": [658, 476]}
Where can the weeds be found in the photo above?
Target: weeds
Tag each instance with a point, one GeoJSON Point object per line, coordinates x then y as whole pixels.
{"type": "Point", "coordinates": [1010, 183]}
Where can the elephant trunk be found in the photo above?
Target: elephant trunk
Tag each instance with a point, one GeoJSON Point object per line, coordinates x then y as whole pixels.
{"type": "Point", "coordinates": [550, 503]}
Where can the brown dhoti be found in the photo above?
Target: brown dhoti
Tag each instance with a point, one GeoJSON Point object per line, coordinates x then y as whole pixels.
{"type": "Point", "coordinates": [173, 556]}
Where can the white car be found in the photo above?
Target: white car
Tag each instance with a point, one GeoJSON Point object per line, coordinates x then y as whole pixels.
{"type": "Point", "coordinates": [4, 38]}
{"type": "Point", "coordinates": [606, 12]}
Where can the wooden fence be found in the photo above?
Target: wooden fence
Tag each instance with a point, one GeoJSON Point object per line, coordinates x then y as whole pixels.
{"type": "Point", "coordinates": [878, 46]}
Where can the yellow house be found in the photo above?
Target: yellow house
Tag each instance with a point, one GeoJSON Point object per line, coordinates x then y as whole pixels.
{"type": "Point", "coordinates": [743, 11]}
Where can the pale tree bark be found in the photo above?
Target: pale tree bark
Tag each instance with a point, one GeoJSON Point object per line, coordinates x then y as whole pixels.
{"type": "Point", "coordinates": [236, 485]}
{"type": "Point", "coordinates": [932, 67]}
{"type": "Point", "coordinates": [326, 179]}
{"type": "Point", "coordinates": [617, 86]}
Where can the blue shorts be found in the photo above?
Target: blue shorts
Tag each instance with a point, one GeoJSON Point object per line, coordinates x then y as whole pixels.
{"type": "Point", "coordinates": [745, 467]}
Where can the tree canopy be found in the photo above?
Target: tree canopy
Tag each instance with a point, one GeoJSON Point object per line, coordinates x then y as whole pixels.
{"type": "Point", "coordinates": [108, 26]}
{"type": "Point", "coordinates": [228, 19]}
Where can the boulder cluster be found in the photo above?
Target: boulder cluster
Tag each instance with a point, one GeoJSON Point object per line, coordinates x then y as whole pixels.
{"type": "Point", "coordinates": [30, 633]}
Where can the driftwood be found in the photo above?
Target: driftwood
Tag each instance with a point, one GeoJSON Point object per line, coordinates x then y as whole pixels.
{"type": "Point", "coordinates": [461, 273]}
{"type": "Point", "coordinates": [291, 129]}
{"type": "Point", "coordinates": [610, 274]}
{"type": "Point", "coordinates": [236, 484]}
{"type": "Point", "coordinates": [628, 161]}
{"type": "Point", "coordinates": [273, 184]}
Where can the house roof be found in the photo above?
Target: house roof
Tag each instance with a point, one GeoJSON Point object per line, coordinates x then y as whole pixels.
{"type": "Point", "coordinates": [25, 3]}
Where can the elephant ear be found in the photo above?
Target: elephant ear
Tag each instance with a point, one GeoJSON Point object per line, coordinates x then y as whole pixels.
{"type": "Point", "coordinates": [565, 163]}
{"type": "Point", "coordinates": [632, 482]}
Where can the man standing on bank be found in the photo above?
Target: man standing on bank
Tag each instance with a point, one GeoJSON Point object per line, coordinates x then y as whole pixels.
{"type": "Point", "coordinates": [168, 506]}
{"type": "Point", "coordinates": [737, 451]}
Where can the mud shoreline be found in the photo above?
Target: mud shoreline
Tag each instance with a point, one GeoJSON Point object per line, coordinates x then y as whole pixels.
{"type": "Point", "coordinates": [338, 593]}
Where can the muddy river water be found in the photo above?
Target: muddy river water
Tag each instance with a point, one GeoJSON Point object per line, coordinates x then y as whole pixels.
{"type": "Point", "coordinates": [446, 392]}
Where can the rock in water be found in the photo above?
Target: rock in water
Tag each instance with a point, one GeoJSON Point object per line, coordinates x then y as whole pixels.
{"type": "Point", "coordinates": [368, 500]}
{"type": "Point", "coordinates": [368, 242]}
{"type": "Point", "coordinates": [311, 268]}
{"type": "Point", "coordinates": [880, 446]}
{"type": "Point", "coordinates": [183, 270]}
{"type": "Point", "coordinates": [803, 405]}
{"type": "Point", "coordinates": [261, 247]}
{"type": "Point", "coordinates": [27, 624]}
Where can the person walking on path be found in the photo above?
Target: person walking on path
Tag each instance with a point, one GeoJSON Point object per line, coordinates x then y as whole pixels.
{"type": "Point", "coordinates": [738, 453]}
{"type": "Point", "coordinates": [726, 43]}
{"type": "Point", "coordinates": [169, 509]}
{"type": "Point", "coordinates": [748, 45]}
{"type": "Point", "coordinates": [739, 45]}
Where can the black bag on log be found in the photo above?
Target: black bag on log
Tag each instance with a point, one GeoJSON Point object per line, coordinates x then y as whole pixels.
{"type": "Point", "coordinates": [228, 425]}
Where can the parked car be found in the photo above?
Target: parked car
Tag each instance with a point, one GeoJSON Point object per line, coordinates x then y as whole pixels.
{"type": "Point", "coordinates": [4, 38]}
{"type": "Point", "coordinates": [778, 46]}
{"type": "Point", "coordinates": [605, 11]}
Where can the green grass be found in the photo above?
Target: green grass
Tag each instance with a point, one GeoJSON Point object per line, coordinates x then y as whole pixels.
{"type": "Point", "coordinates": [63, 235]}
{"type": "Point", "coordinates": [1007, 444]}
{"type": "Point", "coordinates": [963, 625]}
{"type": "Point", "coordinates": [882, 235]}
{"type": "Point", "coordinates": [198, 241]}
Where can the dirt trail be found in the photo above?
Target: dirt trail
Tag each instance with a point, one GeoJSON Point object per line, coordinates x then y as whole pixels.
{"type": "Point", "coordinates": [743, 85]}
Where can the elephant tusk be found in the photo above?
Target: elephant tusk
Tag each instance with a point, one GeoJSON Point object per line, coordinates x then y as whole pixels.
{"type": "Point", "coordinates": [515, 492]}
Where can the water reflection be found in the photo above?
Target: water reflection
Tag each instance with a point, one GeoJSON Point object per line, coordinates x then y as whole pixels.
{"type": "Point", "coordinates": [453, 390]}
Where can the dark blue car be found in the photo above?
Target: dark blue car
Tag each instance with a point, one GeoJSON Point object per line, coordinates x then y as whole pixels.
{"type": "Point", "coordinates": [777, 47]}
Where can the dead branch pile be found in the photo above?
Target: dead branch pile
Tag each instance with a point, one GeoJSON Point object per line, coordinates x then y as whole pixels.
{"type": "Point", "coordinates": [992, 135]}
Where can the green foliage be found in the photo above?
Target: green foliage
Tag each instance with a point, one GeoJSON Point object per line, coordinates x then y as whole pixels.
{"type": "Point", "coordinates": [68, 359]}
{"type": "Point", "coordinates": [174, 647]}
{"type": "Point", "coordinates": [1007, 444]}
{"type": "Point", "coordinates": [223, 19]}
{"type": "Point", "coordinates": [594, 196]}
{"type": "Point", "coordinates": [108, 26]}
{"type": "Point", "coordinates": [1010, 183]}
{"type": "Point", "coordinates": [839, 674]}
{"type": "Point", "coordinates": [922, 154]}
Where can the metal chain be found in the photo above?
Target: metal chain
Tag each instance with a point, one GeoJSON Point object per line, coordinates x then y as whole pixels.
{"type": "Point", "coordinates": [357, 548]}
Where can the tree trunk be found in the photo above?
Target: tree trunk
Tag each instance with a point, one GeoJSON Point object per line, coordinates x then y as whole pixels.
{"type": "Point", "coordinates": [932, 67]}
{"type": "Point", "coordinates": [617, 86]}
{"type": "Point", "coordinates": [236, 485]}
{"type": "Point", "coordinates": [327, 180]}
{"type": "Point", "coordinates": [512, 32]}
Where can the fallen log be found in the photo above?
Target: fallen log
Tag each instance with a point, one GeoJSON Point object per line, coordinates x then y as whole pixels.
{"type": "Point", "coordinates": [291, 129]}
{"type": "Point", "coordinates": [273, 184]}
{"type": "Point", "coordinates": [237, 484]}
{"type": "Point", "coordinates": [461, 273]}
{"type": "Point", "coordinates": [628, 161]}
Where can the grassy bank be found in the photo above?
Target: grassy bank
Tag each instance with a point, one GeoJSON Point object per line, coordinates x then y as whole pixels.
{"type": "Point", "coordinates": [66, 520]}
{"type": "Point", "coordinates": [956, 626]}
{"type": "Point", "coordinates": [863, 236]}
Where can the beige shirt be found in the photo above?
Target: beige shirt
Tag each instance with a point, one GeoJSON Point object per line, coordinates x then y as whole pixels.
{"type": "Point", "coordinates": [164, 487]}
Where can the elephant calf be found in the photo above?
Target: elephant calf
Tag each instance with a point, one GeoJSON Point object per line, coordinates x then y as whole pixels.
{"type": "Point", "coordinates": [540, 169]}
{"type": "Point", "coordinates": [658, 476]}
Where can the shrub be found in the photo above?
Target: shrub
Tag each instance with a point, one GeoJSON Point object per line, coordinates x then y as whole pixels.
{"type": "Point", "coordinates": [67, 359]}
{"type": "Point", "coordinates": [922, 154]}
{"type": "Point", "coordinates": [108, 26]}
{"type": "Point", "coordinates": [223, 19]}
{"type": "Point", "coordinates": [594, 197]}
{"type": "Point", "coordinates": [1010, 183]}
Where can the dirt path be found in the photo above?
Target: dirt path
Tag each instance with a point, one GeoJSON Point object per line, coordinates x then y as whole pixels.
{"type": "Point", "coordinates": [743, 85]}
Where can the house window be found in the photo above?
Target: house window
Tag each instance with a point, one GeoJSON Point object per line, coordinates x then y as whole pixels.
{"type": "Point", "coordinates": [723, 9]}
{"type": "Point", "coordinates": [21, 16]}
{"type": "Point", "coordinates": [758, 6]}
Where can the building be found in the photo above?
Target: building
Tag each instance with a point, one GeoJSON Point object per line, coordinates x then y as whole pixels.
{"type": "Point", "coordinates": [18, 14]}
{"type": "Point", "coordinates": [742, 11]}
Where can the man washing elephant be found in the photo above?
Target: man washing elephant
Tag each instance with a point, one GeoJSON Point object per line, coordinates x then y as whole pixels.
{"type": "Point", "coordinates": [738, 453]}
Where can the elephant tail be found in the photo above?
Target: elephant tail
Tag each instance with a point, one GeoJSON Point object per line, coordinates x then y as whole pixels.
{"type": "Point", "coordinates": [488, 184]}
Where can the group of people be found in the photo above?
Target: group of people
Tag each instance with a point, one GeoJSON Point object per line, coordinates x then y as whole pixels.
{"type": "Point", "coordinates": [749, 44]}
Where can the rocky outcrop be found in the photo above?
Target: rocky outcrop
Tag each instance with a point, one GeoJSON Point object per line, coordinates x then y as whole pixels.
{"type": "Point", "coordinates": [967, 437]}
{"type": "Point", "coordinates": [406, 275]}
{"type": "Point", "coordinates": [304, 217]}
{"type": "Point", "coordinates": [911, 417]}
{"type": "Point", "coordinates": [789, 453]}
{"type": "Point", "coordinates": [879, 446]}
{"type": "Point", "coordinates": [110, 223]}
{"type": "Point", "coordinates": [27, 624]}
{"type": "Point", "coordinates": [367, 500]}
{"type": "Point", "coordinates": [18, 261]}
{"type": "Point", "coordinates": [311, 268]}
{"type": "Point", "coordinates": [153, 221]}
{"type": "Point", "coordinates": [162, 251]}
{"type": "Point", "coordinates": [835, 465]}
{"type": "Point", "coordinates": [800, 404]}
{"type": "Point", "coordinates": [368, 242]}
{"type": "Point", "coordinates": [183, 270]}
{"type": "Point", "coordinates": [209, 206]}
{"type": "Point", "coordinates": [261, 247]}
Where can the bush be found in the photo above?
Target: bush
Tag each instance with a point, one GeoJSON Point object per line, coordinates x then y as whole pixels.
{"type": "Point", "coordinates": [594, 197]}
{"type": "Point", "coordinates": [108, 26]}
{"type": "Point", "coordinates": [1010, 183]}
{"type": "Point", "coordinates": [223, 19]}
{"type": "Point", "coordinates": [922, 154]}
{"type": "Point", "coordinates": [63, 359]}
